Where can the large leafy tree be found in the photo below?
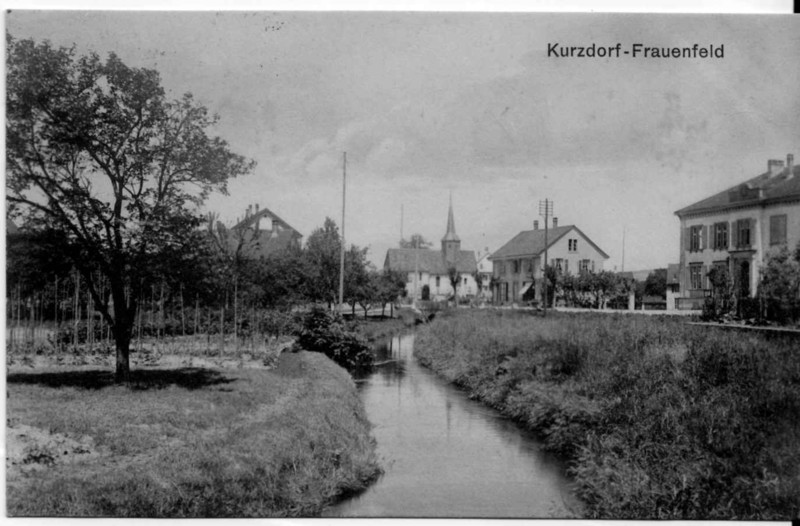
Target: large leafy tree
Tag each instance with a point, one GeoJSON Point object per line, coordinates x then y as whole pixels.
{"type": "Point", "coordinates": [96, 150]}
{"type": "Point", "coordinates": [322, 261]}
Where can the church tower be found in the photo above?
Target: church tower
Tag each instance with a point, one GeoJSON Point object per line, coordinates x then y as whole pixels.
{"type": "Point", "coordinates": [451, 244]}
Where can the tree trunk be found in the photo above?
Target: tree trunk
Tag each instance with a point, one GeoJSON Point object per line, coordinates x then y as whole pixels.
{"type": "Point", "coordinates": [123, 344]}
{"type": "Point", "coordinates": [124, 316]}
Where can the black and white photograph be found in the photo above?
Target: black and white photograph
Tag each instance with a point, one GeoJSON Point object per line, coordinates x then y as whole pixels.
{"type": "Point", "coordinates": [402, 264]}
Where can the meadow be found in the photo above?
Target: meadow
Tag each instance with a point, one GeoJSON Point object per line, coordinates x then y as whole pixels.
{"type": "Point", "coordinates": [658, 419]}
{"type": "Point", "coordinates": [186, 441]}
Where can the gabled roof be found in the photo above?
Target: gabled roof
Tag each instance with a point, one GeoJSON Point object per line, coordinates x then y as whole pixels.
{"type": "Point", "coordinates": [262, 242]}
{"type": "Point", "coordinates": [531, 242]}
{"type": "Point", "coordinates": [760, 190]}
{"type": "Point", "coordinates": [430, 261]}
{"type": "Point", "coordinates": [251, 219]}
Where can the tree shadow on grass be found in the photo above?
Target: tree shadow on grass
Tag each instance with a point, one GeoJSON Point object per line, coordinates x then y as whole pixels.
{"type": "Point", "coordinates": [141, 380]}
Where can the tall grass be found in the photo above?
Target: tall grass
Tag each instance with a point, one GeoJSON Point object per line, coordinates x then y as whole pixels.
{"type": "Point", "coordinates": [192, 443]}
{"type": "Point", "coordinates": [659, 419]}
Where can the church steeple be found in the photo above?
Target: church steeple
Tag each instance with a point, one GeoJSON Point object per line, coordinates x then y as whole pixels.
{"type": "Point", "coordinates": [451, 244]}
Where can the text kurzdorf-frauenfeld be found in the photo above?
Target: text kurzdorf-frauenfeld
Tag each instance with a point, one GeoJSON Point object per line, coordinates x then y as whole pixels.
{"type": "Point", "coordinates": [558, 50]}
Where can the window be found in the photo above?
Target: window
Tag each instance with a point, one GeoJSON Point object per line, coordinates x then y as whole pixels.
{"type": "Point", "coordinates": [695, 238]}
{"type": "Point", "coordinates": [583, 266]}
{"type": "Point", "coordinates": [743, 234]}
{"type": "Point", "coordinates": [721, 236]}
{"type": "Point", "coordinates": [437, 281]}
{"type": "Point", "coordinates": [695, 277]}
{"type": "Point", "coordinates": [573, 245]}
{"type": "Point", "coordinates": [527, 266]}
{"type": "Point", "coordinates": [516, 266]}
{"type": "Point", "coordinates": [777, 230]}
{"type": "Point", "coordinates": [499, 268]}
{"type": "Point", "coordinates": [465, 282]}
{"type": "Point", "coordinates": [558, 264]}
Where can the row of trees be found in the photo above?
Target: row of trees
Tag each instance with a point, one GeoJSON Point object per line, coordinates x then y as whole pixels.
{"type": "Point", "coordinates": [588, 289]}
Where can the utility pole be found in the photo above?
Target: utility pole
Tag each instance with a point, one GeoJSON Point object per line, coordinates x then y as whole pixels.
{"type": "Point", "coordinates": [545, 210]}
{"type": "Point", "coordinates": [623, 249]}
{"type": "Point", "coordinates": [416, 269]}
{"type": "Point", "coordinates": [341, 256]}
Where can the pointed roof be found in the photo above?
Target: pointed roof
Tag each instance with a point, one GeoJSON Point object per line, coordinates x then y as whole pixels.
{"type": "Point", "coordinates": [531, 242]}
{"type": "Point", "coordinates": [450, 235]}
{"type": "Point", "coordinates": [251, 219]}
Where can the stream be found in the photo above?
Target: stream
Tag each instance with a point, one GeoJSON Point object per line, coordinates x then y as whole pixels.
{"type": "Point", "coordinates": [445, 455]}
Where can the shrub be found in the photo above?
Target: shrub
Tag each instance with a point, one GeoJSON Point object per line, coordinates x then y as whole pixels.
{"type": "Point", "coordinates": [320, 330]}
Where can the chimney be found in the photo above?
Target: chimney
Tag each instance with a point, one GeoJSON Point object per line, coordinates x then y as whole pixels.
{"type": "Point", "coordinates": [555, 222]}
{"type": "Point", "coordinates": [789, 165]}
{"type": "Point", "coordinates": [535, 224]}
{"type": "Point", "coordinates": [774, 167]}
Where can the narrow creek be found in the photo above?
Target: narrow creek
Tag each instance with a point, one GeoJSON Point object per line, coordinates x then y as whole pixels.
{"type": "Point", "coordinates": [445, 455]}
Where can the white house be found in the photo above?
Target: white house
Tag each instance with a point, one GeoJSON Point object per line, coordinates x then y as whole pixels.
{"type": "Point", "coordinates": [428, 270]}
{"type": "Point", "coordinates": [518, 265]}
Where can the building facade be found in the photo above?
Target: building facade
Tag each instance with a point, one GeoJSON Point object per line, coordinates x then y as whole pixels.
{"type": "Point", "coordinates": [736, 230]}
{"type": "Point", "coordinates": [428, 271]}
{"type": "Point", "coordinates": [519, 264]}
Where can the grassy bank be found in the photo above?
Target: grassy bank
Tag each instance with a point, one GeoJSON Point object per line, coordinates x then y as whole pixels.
{"type": "Point", "coordinates": [186, 442]}
{"type": "Point", "coordinates": [374, 329]}
{"type": "Point", "coordinates": [658, 419]}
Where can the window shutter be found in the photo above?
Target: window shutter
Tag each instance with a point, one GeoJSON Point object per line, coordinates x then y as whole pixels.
{"type": "Point", "coordinates": [735, 234]}
{"type": "Point", "coordinates": [688, 236]}
{"type": "Point", "coordinates": [704, 277]}
{"type": "Point", "coordinates": [566, 266]}
{"type": "Point", "coordinates": [704, 238]}
{"type": "Point", "coordinates": [729, 235]}
{"type": "Point", "coordinates": [712, 240]}
{"type": "Point", "coordinates": [752, 224]}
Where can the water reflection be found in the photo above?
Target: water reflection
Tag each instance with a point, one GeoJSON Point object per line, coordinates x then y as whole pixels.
{"type": "Point", "coordinates": [447, 456]}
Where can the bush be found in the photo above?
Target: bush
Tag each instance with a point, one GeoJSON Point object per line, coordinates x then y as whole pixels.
{"type": "Point", "coordinates": [320, 330]}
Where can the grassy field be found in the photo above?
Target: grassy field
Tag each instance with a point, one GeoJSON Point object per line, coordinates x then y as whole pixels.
{"type": "Point", "coordinates": [186, 442]}
{"type": "Point", "coordinates": [658, 419]}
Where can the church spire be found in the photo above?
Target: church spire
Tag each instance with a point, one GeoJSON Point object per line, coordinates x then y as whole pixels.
{"type": "Point", "coordinates": [450, 235]}
{"type": "Point", "coordinates": [451, 244]}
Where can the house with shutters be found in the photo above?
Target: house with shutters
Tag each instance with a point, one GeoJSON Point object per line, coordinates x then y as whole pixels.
{"type": "Point", "coordinates": [428, 271]}
{"type": "Point", "coordinates": [736, 230]}
{"type": "Point", "coordinates": [518, 265]}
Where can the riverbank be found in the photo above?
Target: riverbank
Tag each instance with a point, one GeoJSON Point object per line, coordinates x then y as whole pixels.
{"type": "Point", "coordinates": [658, 419]}
{"type": "Point", "coordinates": [376, 329]}
{"type": "Point", "coordinates": [186, 442]}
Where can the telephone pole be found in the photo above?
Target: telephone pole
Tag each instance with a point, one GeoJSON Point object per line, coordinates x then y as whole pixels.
{"type": "Point", "coordinates": [545, 210]}
{"type": "Point", "coordinates": [341, 256]}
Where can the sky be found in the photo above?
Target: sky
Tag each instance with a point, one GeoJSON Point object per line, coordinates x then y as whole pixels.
{"type": "Point", "coordinates": [470, 104]}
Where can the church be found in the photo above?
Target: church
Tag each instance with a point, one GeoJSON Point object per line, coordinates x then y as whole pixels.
{"type": "Point", "coordinates": [428, 270]}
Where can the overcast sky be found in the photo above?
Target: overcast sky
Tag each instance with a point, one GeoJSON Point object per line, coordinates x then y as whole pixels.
{"type": "Point", "coordinates": [429, 103]}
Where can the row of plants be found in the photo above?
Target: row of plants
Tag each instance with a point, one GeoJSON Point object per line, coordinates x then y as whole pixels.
{"type": "Point", "coordinates": [777, 298]}
{"type": "Point", "coordinates": [658, 419]}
